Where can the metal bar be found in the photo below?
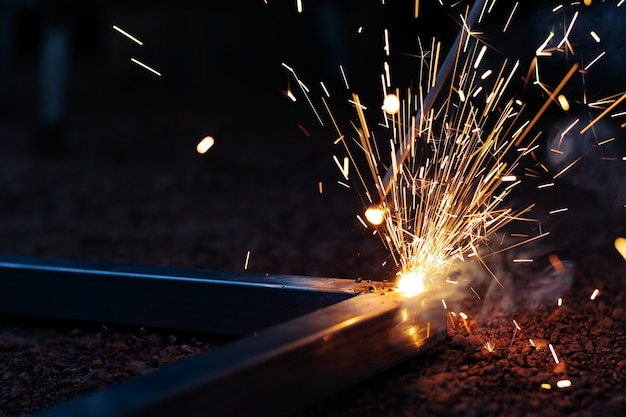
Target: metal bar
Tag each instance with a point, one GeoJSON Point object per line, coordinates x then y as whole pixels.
{"type": "Point", "coordinates": [283, 368]}
{"type": "Point", "coordinates": [169, 298]}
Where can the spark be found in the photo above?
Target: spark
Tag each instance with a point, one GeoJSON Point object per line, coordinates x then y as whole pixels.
{"type": "Point", "coordinates": [563, 101]}
{"type": "Point", "coordinates": [480, 56]}
{"type": "Point", "coordinates": [475, 293]}
{"type": "Point", "coordinates": [344, 78]}
{"type": "Point", "coordinates": [604, 113]}
{"type": "Point", "coordinates": [464, 319]}
{"type": "Point", "coordinates": [593, 61]}
{"type": "Point", "coordinates": [325, 89]}
{"type": "Point", "coordinates": [375, 215]}
{"type": "Point", "coordinates": [564, 383]}
{"type": "Point", "coordinates": [546, 386]}
{"type": "Point", "coordinates": [594, 294]}
{"type": "Point", "coordinates": [291, 96]}
{"type": "Point", "coordinates": [299, 6]}
{"type": "Point", "coordinates": [387, 47]}
{"type": "Point", "coordinates": [569, 29]}
{"type": "Point", "coordinates": [595, 36]}
{"type": "Point", "coordinates": [345, 168]}
{"type": "Point", "coordinates": [515, 330]}
{"type": "Point", "coordinates": [245, 266]}
{"type": "Point", "coordinates": [561, 210]}
{"type": "Point", "coordinates": [556, 263]}
{"type": "Point", "coordinates": [320, 187]}
{"type": "Point", "coordinates": [128, 35]}
{"type": "Point", "coordinates": [141, 64]}
{"type": "Point", "coordinates": [361, 221]}
{"type": "Point", "coordinates": [205, 144]}
{"type": "Point", "coordinates": [556, 359]}
{"type": "Point", "coordinates": [391, 104]}
{"type": "Point", "coordinates": [508, 21]}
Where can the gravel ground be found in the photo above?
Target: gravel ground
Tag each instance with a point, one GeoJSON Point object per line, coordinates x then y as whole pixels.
{"type": "Point", "coordinates": [132, 189]}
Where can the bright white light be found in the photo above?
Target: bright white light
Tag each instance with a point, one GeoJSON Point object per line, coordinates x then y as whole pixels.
{"type": "Point", "coordinates": [411, 283]}
{"type": "Point", "coordinates": [391, 104]}
{"type": "Point", "coordinates": [205, 144]}
{"type": "Point", "coordinates": [375, 215]}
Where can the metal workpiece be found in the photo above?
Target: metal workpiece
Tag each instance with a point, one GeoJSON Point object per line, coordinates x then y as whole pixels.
{"type": "Point", "coordinates": [227, 303]}
{"type": "Point", "coordinates": [283, 368]}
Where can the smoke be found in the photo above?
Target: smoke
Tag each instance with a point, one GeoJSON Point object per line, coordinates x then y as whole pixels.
{"type": "Point", "coordinates": [580, 189]}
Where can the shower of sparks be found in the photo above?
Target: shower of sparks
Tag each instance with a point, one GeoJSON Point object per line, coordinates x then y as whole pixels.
{"type": "Point", "coordinates": [456, 144]}
{"type": "Point", "coordinates": [128, 35]}
{"type": "Point", "coordinates": [141, 64]}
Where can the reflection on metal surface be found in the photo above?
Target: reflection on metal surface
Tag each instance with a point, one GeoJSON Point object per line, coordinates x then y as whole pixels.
{"type": "Point", "coordinates": [283, 368]}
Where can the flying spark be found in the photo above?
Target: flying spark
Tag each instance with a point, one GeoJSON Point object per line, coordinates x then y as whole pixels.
{"type": "Point", "coordinates": [128, 35]}
{"type": "Point", "coordinates": [141, 64]}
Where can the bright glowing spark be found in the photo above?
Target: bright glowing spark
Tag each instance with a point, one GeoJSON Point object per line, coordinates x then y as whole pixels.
{"type": "Point", "coordinates": [299, 6]}
{"type": "Point", "coordinates": [344, 78]}
{"type": "Point", "coordinates": [205, 144]}
{"type": "Point", "coordinates": [564, 383]}
{"type": "Point", "coordinates": [479, 58]}
{"type": "Point", "coordinates": [360, 219]}
{"type": "Point", "coordinates": [245, 266]}
{"type": "Point", "coordinates": [595, 36]}
{"type": "Point", "coordinates": [556, 359]}
{"type": "Point", "coordinates": [326, 92]}
{"type": "Point", "coordinates": [411, 283]}
{"type": "Point", "coordinates": [386, 48]}
{"type": "Point", "coordinates": [141, 64]}
{"type": "Point", "coordinates": [320, 187]}
{"type": "Point", "coordinates": [594, 294]}
{"type": "Point", "coordinates": [620, 245]}
{"type": "Point", "coordinates": [345, 168]}
{"type": "Point", "coordinates": [546, 386]}
{"type": "Point", "coordinates": [593, 61]}
{"type": "Point", "coordinates": [508, 21]}
{"type": "Point", "coordinates": [375, 215]}
{"type": "Point", "coordinates": [569, 29]}
{"type": "Point", "coordinates": [391, 104]}
{"type": "Point", "coordinates": [291, 96]}
{"type": "Point", "coordinates": [561, 210]}
{"type": "Point", "coordinates": [128, 35]}
{"type": "Point", "coordinates": [559, 302]}
{"type": "Point", "coordinates": [563, 102]}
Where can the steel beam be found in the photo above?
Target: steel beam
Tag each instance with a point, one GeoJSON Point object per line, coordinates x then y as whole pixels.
{"type": "Point", "coordinates": [169, 298]}
{"type": "Point", "coordinates": [282, 368]}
